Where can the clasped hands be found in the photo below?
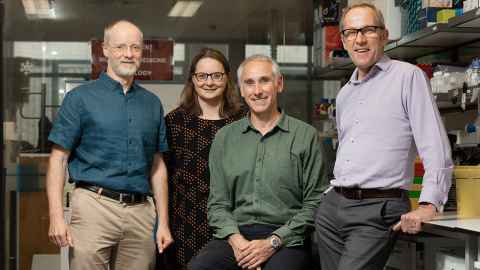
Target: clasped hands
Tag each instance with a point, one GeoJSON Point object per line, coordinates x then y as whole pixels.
{"type": "Point", "coordinates": [250, 254]}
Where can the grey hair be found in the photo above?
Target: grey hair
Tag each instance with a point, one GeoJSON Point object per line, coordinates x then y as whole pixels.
{"type": "Point", "coordinates": [259, 57]}
{"type": "Point", "coordinates": [378, 14]}
{"type": "Point", "coordinates": [109, 27]}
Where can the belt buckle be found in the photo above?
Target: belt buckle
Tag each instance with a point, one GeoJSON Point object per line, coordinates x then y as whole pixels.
{"type": "Point", "coordinates": [127, 198]}
{"type": "Point", "coordinates": [121, 198]}
{"type": "Point", "coordinates": [124, 198]}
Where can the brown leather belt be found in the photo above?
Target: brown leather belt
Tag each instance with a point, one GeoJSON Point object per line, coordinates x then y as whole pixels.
{"type": "Point", "coordinates": [128, 198]}
{"type": "Point", "coordinates": [370, 193]}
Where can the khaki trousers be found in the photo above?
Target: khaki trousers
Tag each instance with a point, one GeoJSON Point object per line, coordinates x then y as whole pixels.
{"type": "Point", "coordinates": [111, 235]}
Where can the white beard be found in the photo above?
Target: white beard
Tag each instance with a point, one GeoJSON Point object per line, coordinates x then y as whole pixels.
{"type": "Point", "coordinates": [125, 71]}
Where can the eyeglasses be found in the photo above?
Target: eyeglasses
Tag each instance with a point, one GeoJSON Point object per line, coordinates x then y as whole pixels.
{"type": "Point", "coordinates": [123, 48]}
{"type": "Point", "coordinates": [203, 77]}
{"type": "Point", "coordinates": [369, 31]}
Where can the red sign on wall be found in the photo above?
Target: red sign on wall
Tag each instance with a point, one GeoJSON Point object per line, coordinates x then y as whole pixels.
{"type": "Point", "coordinates": [156, 60]}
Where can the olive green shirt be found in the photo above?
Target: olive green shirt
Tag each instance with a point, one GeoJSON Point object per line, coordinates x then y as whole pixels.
{"type": "Point", "coordinates": [273, 179]}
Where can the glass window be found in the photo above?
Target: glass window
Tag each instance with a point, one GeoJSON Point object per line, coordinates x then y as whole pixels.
{"type": "Point", "coordinates": [251, 49]}
{"type": "Point", "coordinates": [292, 54]}
{"type": "Point", "coordinates": [46, 50]}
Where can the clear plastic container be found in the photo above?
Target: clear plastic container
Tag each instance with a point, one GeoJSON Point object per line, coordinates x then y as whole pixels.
{"type": "Point", "coordinates": [474, 78]}
{"type": "Point", "coordinates": [435, 81]}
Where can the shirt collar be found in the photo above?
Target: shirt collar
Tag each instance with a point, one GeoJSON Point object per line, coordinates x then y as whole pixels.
{"type": "Point", "coordinates": [114, 85]}
{"type": "Point", "coordinates": [382, 65]}
{"type": "Point", "coordinates": [282, 123]}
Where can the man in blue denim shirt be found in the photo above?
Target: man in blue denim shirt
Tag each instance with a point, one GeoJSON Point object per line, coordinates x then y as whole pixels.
{"type": "Point", "coordinates": [110, 133]}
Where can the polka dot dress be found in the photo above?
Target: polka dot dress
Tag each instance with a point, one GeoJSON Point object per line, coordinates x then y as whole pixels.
{"type": "Point", "coordinates": [189, 141]}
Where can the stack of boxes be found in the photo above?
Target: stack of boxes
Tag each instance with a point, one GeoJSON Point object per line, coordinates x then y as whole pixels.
{"type": "Point", "coordinates": [327, 39]}
{"type": "Point", "coordinates": [416, 186]}
{"type": "Point", "coordinates": [468, 172]}
{"type": "Point", "coordinates": [438, 11]}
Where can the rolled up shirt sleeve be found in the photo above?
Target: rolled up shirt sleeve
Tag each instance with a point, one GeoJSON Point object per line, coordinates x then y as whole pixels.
{"type": "Point", "coordinates": [162, 144]}
{"type": "Point", "coordinates": [67, 126]}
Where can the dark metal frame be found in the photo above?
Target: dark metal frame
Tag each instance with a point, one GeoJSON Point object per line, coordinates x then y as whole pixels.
{"type": "Point", "coordinates": [2, 167]}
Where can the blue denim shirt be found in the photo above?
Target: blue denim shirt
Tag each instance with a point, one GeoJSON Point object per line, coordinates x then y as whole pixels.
{"type": "Point", "coordinates": [112, 137]}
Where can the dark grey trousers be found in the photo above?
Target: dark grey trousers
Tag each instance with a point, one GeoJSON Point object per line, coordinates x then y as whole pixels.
{"type": "Point", "coordinates": [356, 234]}
{"type": "Point", "coordinates": [218, 254]}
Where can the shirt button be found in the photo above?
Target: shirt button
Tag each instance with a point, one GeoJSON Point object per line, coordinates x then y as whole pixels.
{"type": "Point", "coordinates": [356, 121]}
{"type": "Point", "coordinates": [129, 120]}
{"type": "Point", "coordinates": [352, 140]}
{"type": "Point", "coordinates": [129, 141]}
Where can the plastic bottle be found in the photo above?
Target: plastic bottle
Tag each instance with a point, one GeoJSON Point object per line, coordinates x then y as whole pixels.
{"type": "Point", "coordinates": [474, 80]}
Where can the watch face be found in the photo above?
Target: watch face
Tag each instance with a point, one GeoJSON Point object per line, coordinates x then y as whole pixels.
{"type": "Point", "coordinates": [275, 242]}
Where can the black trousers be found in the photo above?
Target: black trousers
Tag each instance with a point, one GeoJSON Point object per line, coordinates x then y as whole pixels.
{"type": "Point", "coordinates": [218, 254]}
{"type": "Point", "coordinates": [356, 234]}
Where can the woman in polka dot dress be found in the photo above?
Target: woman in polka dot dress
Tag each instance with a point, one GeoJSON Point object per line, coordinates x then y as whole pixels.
{"type": "Point", "coordinates": [209, 101]}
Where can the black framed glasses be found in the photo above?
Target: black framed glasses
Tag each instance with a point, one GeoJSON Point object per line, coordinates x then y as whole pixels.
{"type": "Point", "coordinates": [203, 77]}
{"type": "Point", "coordinates": [369, 31]}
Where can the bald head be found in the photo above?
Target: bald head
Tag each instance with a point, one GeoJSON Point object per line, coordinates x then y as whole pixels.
{"type": "Point", "coordinates": [116, 28]}
{"type": "Point", "coordinates": [122, 46]}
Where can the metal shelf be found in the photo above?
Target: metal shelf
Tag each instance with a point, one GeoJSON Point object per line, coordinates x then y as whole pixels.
{"type": "Point", "coordinates": [459, 31]}
{"type": "Point", "coordinates": [332, 72]}
{"type": "Point", "coordinates": [432, 39]}
{"type": "Point", "coordinates": [451, 101]}
{"type": "Point", "coordinates": [469, 19]}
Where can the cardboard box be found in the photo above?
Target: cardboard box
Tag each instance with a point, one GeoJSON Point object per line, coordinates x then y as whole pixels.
{"type": "Point", "coordinates": [437, 3]}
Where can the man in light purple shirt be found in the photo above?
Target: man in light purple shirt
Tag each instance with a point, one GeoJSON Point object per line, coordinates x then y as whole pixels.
{"type": "Point", "coordinates": [385, 115]}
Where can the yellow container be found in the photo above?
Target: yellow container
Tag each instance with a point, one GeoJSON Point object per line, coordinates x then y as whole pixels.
{"type": "Point", "coordinates": [468, 190]}
{"type": "Point", "coordinates": [444, 15]}
{"type": "Point", "coordinates": [414, 203]}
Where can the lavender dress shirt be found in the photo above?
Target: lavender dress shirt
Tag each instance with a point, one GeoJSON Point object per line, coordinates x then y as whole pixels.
{"type": "Point", "coordinates": [382, 121]}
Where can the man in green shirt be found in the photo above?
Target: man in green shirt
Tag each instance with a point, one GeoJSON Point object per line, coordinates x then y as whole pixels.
{"type": "Point", "coordinates": [265, 178]}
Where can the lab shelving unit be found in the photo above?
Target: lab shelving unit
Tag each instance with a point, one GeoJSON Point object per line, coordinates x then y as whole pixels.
{"type": "Point", "coordinates": [459, 31]}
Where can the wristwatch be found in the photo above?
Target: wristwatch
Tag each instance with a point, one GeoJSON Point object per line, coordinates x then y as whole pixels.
{"type": "Point", "coordinates": [275, 242]}
{"type": "Point", "coordinates": [438, 209]}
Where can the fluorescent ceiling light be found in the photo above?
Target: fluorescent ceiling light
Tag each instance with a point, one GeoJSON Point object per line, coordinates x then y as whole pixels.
{"type": "Point", "coordinates": [39, 9]}
{"type": "Point", "coordinates": [185, 8]}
